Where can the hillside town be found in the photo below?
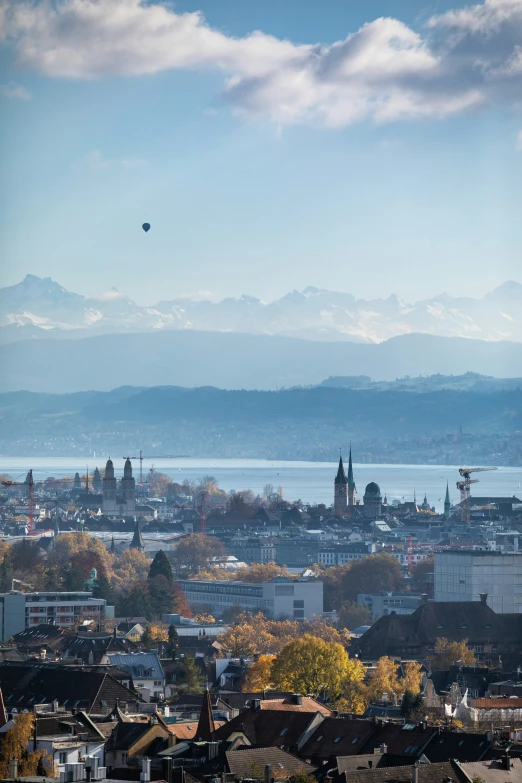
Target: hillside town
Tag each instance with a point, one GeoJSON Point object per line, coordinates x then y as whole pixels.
{"type": "Point", "coordinates": [163, 631]}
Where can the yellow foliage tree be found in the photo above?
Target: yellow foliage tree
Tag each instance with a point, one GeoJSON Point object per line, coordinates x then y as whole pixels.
{"type": "Point", "coordinates": [129, 567]}
{"type": "Point", "coordinates": [311, 666]}
{"type": "Point", "coordinates": [204, 618]}
{"type": "Point", "coordinates": [412, 679]}
{"type": "Point", "coordinates": [259, 676]}
{"type": "Point", "coordinates": [245, 640]}
{"type": "Point", "coordinates": [354, 698]}
{"type": "Point", "coordinates": [384, 679]}
{"type": "Point", "coordinates": [14, 746]}
{"type": "Point", "coordinates": [448, 653]}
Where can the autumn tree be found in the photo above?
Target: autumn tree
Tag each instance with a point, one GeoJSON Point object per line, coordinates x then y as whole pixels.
{"type": "Point", "coordinates": [371, 574]}
{"type": "Point", "coordinates": [195, 552]}
{"type": "Point", "coordinates": [14, 746]}
{"type": "Point", "coordinates": [420, 573]}
{"type": "Point", "coordinates": [449, 653]}
{"type": "Point", "coordinates": [310, 665]}
{"type": "Point", "coordinates": [412, 679]}
{"type": "Point", "coordinates": [262, 572]}
{"type": "Point", "coordinates": [384, 679]}
{"type": "Point", "coordinates": [243, 640]}
{"type": "Point", "coordinates": [160, 566]}
{"type": "Point", "coordinates": [129, 567]}
{"type": "Point", "coordinates": [352, 615]}
{"type": "Point", "coordinates": [258, 676]}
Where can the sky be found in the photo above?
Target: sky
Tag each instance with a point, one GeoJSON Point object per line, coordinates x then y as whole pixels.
{"type": "Point", "coordinates": [369, 146]}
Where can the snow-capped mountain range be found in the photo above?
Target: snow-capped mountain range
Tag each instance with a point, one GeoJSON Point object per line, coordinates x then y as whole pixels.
{"type": "Point", "coordinates": [38, 307]}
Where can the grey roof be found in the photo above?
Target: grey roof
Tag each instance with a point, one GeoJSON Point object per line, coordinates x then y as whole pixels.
{"type": "Point", "coordinates": [139, 664]}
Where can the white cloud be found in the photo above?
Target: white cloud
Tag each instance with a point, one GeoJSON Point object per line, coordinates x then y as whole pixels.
{"type": "Point", "coordinates": [385, 71]}
{"type": "Point", "coordinates": [16, 91]}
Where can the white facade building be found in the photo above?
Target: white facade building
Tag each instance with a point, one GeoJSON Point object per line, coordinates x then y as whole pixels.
{"type": "Point", "coordinates": [297, 600]}
{"type": "Point", "coordinates": [23, 610]}
{"type": "Point", "coordinates": [466, 575]}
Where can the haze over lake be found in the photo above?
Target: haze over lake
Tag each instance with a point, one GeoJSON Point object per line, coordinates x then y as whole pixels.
{"type": "Point", "coordinates": [312, 482]}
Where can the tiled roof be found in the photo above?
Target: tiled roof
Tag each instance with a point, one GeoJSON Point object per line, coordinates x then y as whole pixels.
{"type": "Point", "coordinates": [138, 665]}
{"type": "Point", "coordinates": [406, 740]}
{"type": "Point", "coordinates": [338, 737]}
{"type": "Point", "coordinates": [27, 684]}
{"type": "Point", "coordinates": [289, 705]}
{"type": "Point", "coordinates": [497, 703]}
{"type": "Point", "coordinates": [457, 745]}
{"type": "Point", "coordinates": [427, 773]}
{"type": "Point", "coordinates": [278, 729]}
{"type": "Point", "coordinates": [494, 771]}
{"type": "Point", "coordinates": [242, 763]}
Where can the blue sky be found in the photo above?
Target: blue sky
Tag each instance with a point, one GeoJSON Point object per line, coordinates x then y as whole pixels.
{"type": "Point", "coordinates": [370, 147]}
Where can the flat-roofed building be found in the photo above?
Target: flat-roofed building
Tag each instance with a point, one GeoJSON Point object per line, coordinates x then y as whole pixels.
{"type": "Point", "coordinates": [297, 600]}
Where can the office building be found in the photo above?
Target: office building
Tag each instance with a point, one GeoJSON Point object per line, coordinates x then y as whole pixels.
{"type": "Point", "coordinates": [468, 575]}
{"type": "Point", "coordinates": [297, 600]}
{"type": "Point", "coordinates": [22, 610]}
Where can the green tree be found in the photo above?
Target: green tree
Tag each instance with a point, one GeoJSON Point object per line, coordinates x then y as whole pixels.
{"type": "Point", "coordinates": [103, 588]}
{"type": "Point", "coordinates": [193, 678]}
{"type": "Point", "coordinates": [173, 642]}
{"type": "Point", "coordinates": [160, 566]}
{"type": "Point", "coordinates": [412, 706]}
{"type": "Point", "coordinates": [146, 638]}
{"type": "Point", "coordinates": [6, 573]}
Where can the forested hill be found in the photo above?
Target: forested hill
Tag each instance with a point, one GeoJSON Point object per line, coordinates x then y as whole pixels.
{"type": "Point", "coordinates": [309, 423]}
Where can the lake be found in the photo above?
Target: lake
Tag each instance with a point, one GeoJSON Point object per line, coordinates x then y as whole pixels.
{"type": "Point", "coordinates": [312, 482]}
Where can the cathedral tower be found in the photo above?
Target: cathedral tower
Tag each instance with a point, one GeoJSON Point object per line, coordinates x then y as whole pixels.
{"type": "Point", "coordinates": [128, 490]}
{"type": "Point", "coordinates": [340, 490]}
{"type": "Point", "coordinates": [109, 489]}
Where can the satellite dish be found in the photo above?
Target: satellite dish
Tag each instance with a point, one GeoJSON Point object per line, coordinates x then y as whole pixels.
{"type": "Point", "coordinates": [146, 227]}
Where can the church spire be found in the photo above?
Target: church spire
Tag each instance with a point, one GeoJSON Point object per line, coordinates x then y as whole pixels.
{"type": "Point", "coordinates": [447, 502]}
{"type": "Point", "coordinates": [351, 482]}
{"type": "Point", "coordinates": [137, 539]}
{"type": "Point", "coordinates": [341, 477]}
{"type": "Point", "coordinates": [206, 726]}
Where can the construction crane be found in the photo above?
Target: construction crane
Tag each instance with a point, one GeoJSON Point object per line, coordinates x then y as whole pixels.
{"type": "Point", "coordinates": [465, 493]}
{"type": "Point", "coordinates": [29, 483]}
{"type": "Point", "coordinates": [154, 456]}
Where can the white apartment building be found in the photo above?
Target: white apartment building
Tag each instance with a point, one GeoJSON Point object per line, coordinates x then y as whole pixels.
{"type": "Point", "coordinates": [22, 610]}
{"type": "Point", "coordinates": [297, 600]}
{"type": "Point", "coordinates": [466, 575]}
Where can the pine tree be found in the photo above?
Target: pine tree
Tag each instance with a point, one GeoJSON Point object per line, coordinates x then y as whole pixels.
{"type": "Point", "coordinates": [193, 676]}
{"type": "Point", "coordinates": [160, 566]}
{"type": "Point", "coordinates": [146, 639]}
{"type": "Point", "coordinates": [173, 642]}
{"type": "Point", "coordinates": [103, 588]}
{"type": "Point", "coordinates": [6, 574]}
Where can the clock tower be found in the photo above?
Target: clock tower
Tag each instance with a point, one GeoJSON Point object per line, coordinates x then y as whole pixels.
{"type": "Point", "coordinates": [340, 490]}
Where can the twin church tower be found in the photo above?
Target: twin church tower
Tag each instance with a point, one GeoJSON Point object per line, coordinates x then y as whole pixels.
{"type": "Point", "coordinates": [345, 494]}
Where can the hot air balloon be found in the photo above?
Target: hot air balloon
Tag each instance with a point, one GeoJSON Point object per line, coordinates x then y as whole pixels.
{"type": "Point", "coordinates": [146, 227]}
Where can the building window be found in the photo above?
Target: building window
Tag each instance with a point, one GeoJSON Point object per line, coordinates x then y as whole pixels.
{"type": "Point", "coordinates": [123, 758]}
{"type": "Point", "coordinates": [62, 759]}
{"type": "Point", "coordinates": [298, 604]}
{"type": "Point", "coordinates": [298, 614]}
{"type": "Point", "coordinates": [284, 590]}
{"type": "Point", "coordinates": [479, 648]}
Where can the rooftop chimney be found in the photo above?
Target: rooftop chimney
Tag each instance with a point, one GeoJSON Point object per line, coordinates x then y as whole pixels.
{"type": "Point", "coordinates": [145, 771]}
{"type": "Point", "coordinates": [415, 774]}
{"type": "Point", "coordinates": [268, 774]}
{"type": "Point", "coordinates": [297, 699]}
{"type": "Point", "coordinates": [484, 598]}
{"type": "Point", "coordinates": [256, 704]}
{"type": "Point", "coordinates": [424, 598]}
{"type": "Point", "coordinates": [506, 762]}
{"type": "Point", "coordinates": [13, 769]}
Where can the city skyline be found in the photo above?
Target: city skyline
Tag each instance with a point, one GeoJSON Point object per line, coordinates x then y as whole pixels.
{"type": "Point", "coordinates": [348, 148]}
